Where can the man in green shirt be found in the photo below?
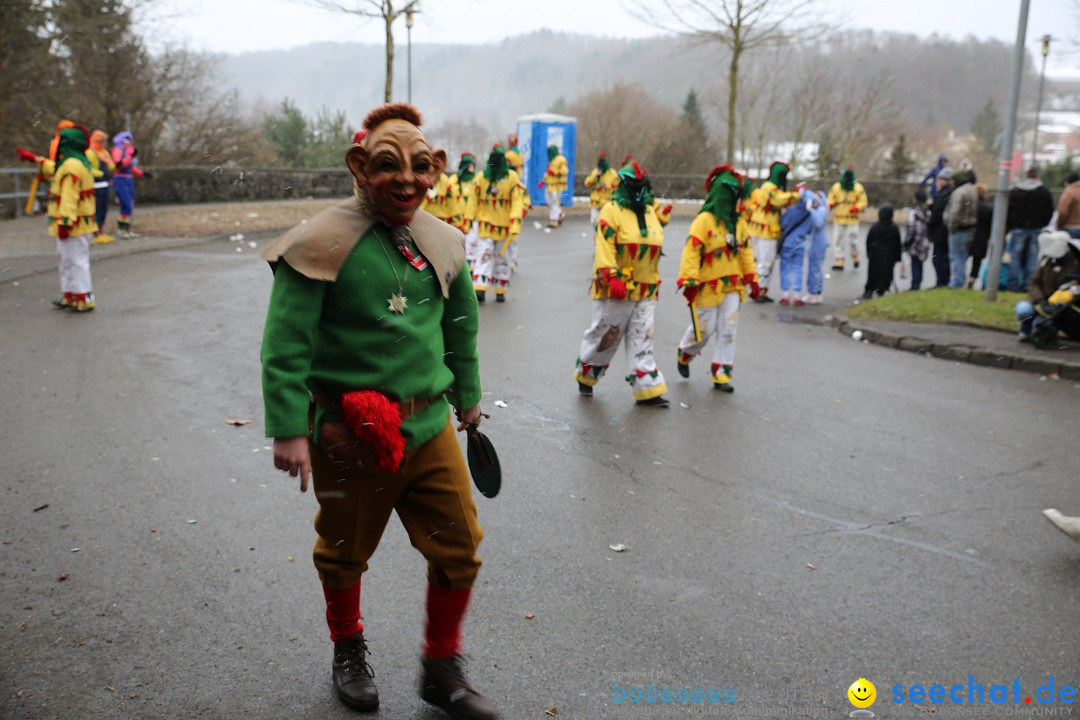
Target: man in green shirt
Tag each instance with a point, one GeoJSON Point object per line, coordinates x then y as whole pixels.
{"type": "Point", "coordinates": [372, 299]}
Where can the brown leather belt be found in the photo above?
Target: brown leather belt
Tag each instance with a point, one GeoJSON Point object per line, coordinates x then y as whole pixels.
{"type": "Point", "coordinates": [409, 406]}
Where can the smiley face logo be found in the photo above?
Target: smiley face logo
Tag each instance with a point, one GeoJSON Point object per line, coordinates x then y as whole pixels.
{"type": "Point", "coordinates": [862, 693]}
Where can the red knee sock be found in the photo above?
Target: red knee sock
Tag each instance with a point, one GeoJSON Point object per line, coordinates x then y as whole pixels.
{"type": "Point", "coordinates": [445, 613]}
{"type": "Point", "coordinates": [343, 611]}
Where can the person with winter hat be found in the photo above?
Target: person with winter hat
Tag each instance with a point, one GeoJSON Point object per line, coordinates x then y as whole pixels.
{"type": "Point", "coordinates": [847, 199]}
{"type": "Point", "coordinates": [715, 274]}
{"type": "Point", "coordinates": [372, 325]}
{"type": "Point", "coordinates": [625, 285]}
{"type": "Point", "coordinates": [1059, 261]}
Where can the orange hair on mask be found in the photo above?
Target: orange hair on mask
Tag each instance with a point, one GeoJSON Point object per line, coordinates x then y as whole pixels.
{"type": "Point", "coordinates": [393, 111]}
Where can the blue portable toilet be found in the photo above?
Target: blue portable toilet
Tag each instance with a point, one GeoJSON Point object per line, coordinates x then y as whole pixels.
{"type": "Point", "coordinates": [535, 133]}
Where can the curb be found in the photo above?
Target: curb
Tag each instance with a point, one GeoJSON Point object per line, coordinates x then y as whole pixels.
{"type": "Point", "coordinates": [957, 352]}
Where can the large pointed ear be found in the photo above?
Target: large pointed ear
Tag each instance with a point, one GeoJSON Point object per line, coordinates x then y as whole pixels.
{"type": "Point", "coordinates": [356, 158]}
{"type": "Point", "coordinates": [438, 164]}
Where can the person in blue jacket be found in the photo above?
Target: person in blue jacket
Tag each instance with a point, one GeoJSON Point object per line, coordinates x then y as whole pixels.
{"type": "Point", "coordinates": [819, 244]}
{"type": "Point", "coordinates": [931, 177]}
{"type": "Point", "coordinates": [795, 226]}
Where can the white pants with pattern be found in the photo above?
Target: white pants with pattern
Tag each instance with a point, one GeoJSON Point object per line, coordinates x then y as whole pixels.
{"type": "Point", "coordinates": [630, 323]}
{"type": "Point", "coordinates": [845, 237]}
{"type": "Point", "coordinates": [74, 256]}
{"type": "Point", "coordinates": [719, 320]}
{"type": "Point", "coordinates": [492, 269]}
{"type": "Point", "coordinates": [471, 253]}
{"type": "Point", "coordinates": [765, 254]}
{"type": "Point", "coordinates": [554, 202]}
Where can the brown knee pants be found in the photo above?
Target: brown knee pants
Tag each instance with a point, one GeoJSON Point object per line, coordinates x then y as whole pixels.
{"type": "Point", "coordinates": [432, 495]}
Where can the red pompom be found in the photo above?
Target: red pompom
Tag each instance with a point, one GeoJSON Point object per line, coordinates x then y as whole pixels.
{"type": "Point", "coordinates": [376, 420]}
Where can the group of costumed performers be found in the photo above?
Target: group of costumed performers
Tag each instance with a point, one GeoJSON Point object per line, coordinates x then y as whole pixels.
{"type": "Point", "coordinates": [765, 205]}
{"type": "Point", "coordinates": [603, 180]}
{"type": "Point", "coordinates": [125, 157]}
{"type": "Point", "coordinates": [499, 217]}
{"type": "Point", "coordinates": [555, 182]}
{"type": "Point", "coordinates": [716, 271]}
{"type": "Point", "coordinates": [847, 199]}
{"type": "Point", "coordinates": [71, 211]}
{"type": "Point", "coordinates": [629, 236]}
{"type": "Point", "coordinates": [372, 326]}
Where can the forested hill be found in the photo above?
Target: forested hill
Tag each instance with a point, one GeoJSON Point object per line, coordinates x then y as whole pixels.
{"type": "Point", "coordinates": [933, 81]}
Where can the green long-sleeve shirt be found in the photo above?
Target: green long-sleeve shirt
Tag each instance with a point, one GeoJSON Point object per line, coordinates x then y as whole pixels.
{"type": "Point", "coordinates": [339, 336]}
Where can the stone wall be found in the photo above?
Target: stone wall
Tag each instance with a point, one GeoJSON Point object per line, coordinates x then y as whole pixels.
{"type": "Point", "coordinates": [180, 185]}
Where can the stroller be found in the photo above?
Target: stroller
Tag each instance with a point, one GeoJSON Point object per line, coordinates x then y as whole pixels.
{"type": "Point", "coordinates": [1060, 313]}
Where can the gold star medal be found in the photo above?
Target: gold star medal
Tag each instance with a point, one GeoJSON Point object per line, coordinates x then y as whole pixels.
{"type": "Point", "coordinates": [398, 303]}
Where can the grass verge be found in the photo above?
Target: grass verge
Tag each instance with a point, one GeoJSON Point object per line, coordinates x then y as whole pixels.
{"type": "Point", "coordinates": [942, 306]}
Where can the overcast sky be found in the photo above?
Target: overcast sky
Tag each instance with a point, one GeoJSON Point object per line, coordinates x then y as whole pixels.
{"type": "Point", "coordinates": [236, 26]}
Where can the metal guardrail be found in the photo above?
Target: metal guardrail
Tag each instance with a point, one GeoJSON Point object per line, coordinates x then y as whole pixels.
{"type": "Point", "coordinates": [19, 195]}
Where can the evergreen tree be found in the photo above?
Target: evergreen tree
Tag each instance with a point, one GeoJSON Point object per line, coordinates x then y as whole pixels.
{"type": "Point", "coordinates": [988, 128]}
{"type": "Point", "coordinates": [901, 163]}
{"type": "Point", "coordinates": [289, 133]}
{"type": "Point", "coordinates": [330, 137]}
{"type": "Point", "coordinates": [692, 117]}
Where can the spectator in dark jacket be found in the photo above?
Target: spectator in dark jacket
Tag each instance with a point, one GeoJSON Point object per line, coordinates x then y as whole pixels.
{"type": "Point", "coordinates": [1059, 263]}
{"type": "Point", "coordinates": [1030, 210]}
{"type": "Point", "coordinates": [985, 214]}
{"type": "Point", "coordinates": [883, 252]}
{"type": "Point", "coordinates": [939, 234]}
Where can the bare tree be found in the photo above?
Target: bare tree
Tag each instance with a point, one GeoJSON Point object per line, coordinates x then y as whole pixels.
{"type": "Point", "coordinates": [738, 25]}
{"type": "Point", "coordinates": [383, 9]}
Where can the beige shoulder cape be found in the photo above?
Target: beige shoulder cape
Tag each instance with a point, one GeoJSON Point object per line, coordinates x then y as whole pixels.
{"type": "Point", "coordinates": [318, 248]}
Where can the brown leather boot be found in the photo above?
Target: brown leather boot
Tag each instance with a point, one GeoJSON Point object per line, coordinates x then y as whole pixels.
{"type": "Point", "coordinates": [444, 685]}
{"type": "Point", "coordinates": [354, 679]}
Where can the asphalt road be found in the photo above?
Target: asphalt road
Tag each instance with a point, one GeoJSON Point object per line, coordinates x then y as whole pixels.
{"type": "Point", "coordinates": [850, 512]}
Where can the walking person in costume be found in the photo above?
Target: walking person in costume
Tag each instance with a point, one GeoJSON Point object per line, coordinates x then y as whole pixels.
{"type": "Point", "coordinates": [766, 203]}
{"type": "Point", "coordinates": [716, 270]}
{"type": "Point", "coordinates": [102, 167]}
{"type": "Point", "coordinates": [517, 164]}
{"type": "Point", "coordinates": [498, 217]}
{"type": "Point", "coordinates": [444, 200]}
{"type": "Point", "coordinates": [71, 212]}
{"type": "Point", "coordinates": [466, 182]}
{"type": "Point", "coordinates": [373, 315]}
{"type": "Point", "coordinates": [603, 180]}
{"type": "Point", "coordinates": [847, 200]}
{"type": "Point", "coordinates": [625, 282]}
{"type": "Point", "coordinates": [125, 158]}
{"type": "Point", "coordinates": [555, 182]}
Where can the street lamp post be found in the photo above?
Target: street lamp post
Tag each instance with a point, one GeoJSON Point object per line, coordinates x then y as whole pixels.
{"type": "Point", "coordinates": [1038, 105]}
{"type": "Point", "coordinates": [408, 28]}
